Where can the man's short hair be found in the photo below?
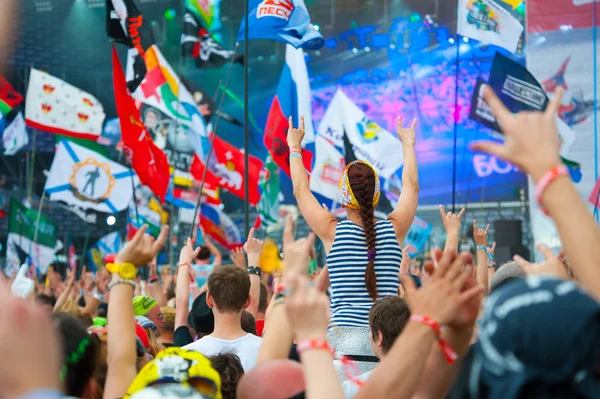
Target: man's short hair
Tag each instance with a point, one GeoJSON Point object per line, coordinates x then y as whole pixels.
{"type": "Point", "coordinates": [262, 301]}
{"type": "Point", "coordinates": [204, 253]}
{"type": "Point", "coordinates": [389, 315]}
{"type": "Point", "coordinates": [229, 287]}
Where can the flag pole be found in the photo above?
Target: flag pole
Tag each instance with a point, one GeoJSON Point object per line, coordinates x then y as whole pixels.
{"type": "Point", "coordinates": [454, 148]}
{"type": "Point", "coordinates": [246, 121]}
{"type": "Point", "coordinates": [37, 219]}
{"type": "Point", "coordinates": [212, 141]}
{"type": "Point", "coordinates": [137, 215]}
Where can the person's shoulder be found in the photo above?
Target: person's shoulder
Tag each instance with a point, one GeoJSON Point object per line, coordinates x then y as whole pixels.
{"type": "Point", "coordinates": [199, 345]}
{"type": "Point", "coordinates": [254, 339]}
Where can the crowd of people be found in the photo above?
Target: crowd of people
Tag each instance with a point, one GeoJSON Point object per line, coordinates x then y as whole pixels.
{"type": "Point", "coordinates": [369, 324]}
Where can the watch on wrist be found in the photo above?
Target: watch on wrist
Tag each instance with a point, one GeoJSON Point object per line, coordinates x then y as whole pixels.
{"type": "Point", "coordinates": [126, 270]}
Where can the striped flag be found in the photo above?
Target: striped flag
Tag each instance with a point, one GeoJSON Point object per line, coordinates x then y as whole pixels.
{"type": "Point", "coordinates": [9, 97]}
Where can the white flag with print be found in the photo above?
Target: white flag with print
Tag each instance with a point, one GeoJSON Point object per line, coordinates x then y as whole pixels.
{"type": "Point", "coordinates": [15, 136]}
{"type": "Point", "coordinates": [487, 22]}
{"type": "Point", "coordinates": [370, 142]}
{"type": "Point", "coordinates": [55, 106]}
{"type": "Point", "coordinates": [328, 168]}
{"type": "Point", "coordinates": [84, 178]}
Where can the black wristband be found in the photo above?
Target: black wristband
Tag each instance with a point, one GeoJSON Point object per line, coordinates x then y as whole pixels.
{"type": "Point", "coordinates": [254, 270]}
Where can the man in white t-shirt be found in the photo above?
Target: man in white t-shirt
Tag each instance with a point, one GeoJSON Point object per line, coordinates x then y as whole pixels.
{"type": "Point", "coordinates": [387, 319]}
{"type": "Point", "coordinates": [228, 295]}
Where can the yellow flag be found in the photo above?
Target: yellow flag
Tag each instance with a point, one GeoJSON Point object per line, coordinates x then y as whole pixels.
{"type": "Point", "coordinates": [269, 257]}
{"type": "Point", "coordinates": [513, 3]}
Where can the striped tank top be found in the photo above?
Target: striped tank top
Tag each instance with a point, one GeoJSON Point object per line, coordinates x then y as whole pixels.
{"type": "Point", "coordinates": [347, 262]}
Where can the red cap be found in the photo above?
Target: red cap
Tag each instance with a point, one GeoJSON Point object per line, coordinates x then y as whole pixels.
{"type": "Point", "coordinates": [142, 335]}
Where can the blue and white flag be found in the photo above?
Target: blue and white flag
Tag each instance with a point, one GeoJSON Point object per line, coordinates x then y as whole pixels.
{"type": "Point", "coordinates": [111, 134]}
{"type": "Point", "coordinates": [15, 136]}
{"type": "Point", "coordinates": [84, 178]}
{"type": "Point", "coordinates": [108, 245]}
{"type": "Point", "coordinates": [282, 20]}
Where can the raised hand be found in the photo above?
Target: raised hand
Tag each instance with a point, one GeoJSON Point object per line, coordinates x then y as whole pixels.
{"type": "Point", "coordinates": [444, 295]}
{"type": "Point", "coordinates": [404, 265]}
{"type": "Point", "coordinates": [296, 253]}
{"type": "Point", "coordinates": [142, 247]}
{"type": "Point", "coordinates": [480, 235]}
{"type": "Point", "coordinates": [253, 246]}
{"type": "Point", "coordinates": [188, 253]}
{"type": "Point", "coordinates": [451, 220]}
{"type": "Point", "coordinates": [295, 136]}
{"type": "Point", "coordinates": [238, 258]}
{"type": "Point", "coordinates": [307, 309]}
{"type": "Point", "coordinates": [551, 266]}
{"type": "Point", "coordinates": [407, 135]}
{"type": "Point", "coordinates": [531, 140]}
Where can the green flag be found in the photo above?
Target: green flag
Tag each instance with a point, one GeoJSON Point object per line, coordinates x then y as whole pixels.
{"type": "Point", "coordinates": [22, 238]}
{"type": "Point", "coordinates": [268, 206]}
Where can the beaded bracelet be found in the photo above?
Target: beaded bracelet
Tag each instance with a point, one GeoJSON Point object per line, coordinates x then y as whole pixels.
{"type": "Point", "coordinates": [113, 283]}
{"type": "Point", "coordinates": [488, 253]}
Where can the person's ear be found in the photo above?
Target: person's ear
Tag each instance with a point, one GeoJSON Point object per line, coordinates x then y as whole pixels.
{"type": "Point", "coordinates": [247, 303]}
{"type": "Point", "coordinates": [379, 339]}
{"type": "Point", "coordinates": [209, 300]}
{"type": "Point", "coordinates": [89, 392]}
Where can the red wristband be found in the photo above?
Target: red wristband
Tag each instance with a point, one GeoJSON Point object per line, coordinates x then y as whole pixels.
{"type": "Point", "coordinates": [445, 347]}
{"type": "Point", "coordinates": [548, 178]}
{"type": "Point", "coordinates": [308, 344]}
{"type": "Point", "coordinates": [152, 279]}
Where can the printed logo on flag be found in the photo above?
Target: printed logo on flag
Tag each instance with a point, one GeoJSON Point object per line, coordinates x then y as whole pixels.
{"type": "Point", "coordinates": [525, 92]}
{"type": "Point", "coordinates": [332, 171]}
{"type": "Point", "coordinates": [275, 8]}
{"type": "Point", "coordinates": [482, 17]}
{"type": "Point", "coordinates": [229, 176]}
{"type": "Point", "coordinates": [92, 181]}
{"type": "Point", "coordinates": [368, 130]}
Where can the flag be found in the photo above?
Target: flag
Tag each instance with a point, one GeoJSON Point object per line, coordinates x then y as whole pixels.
{"type": "Point", "coordinates": [418, 234]}
{"type": "Point", "coordinates": [148, 161]}
{"type": "Point", "coordinates": [21, 234]}
{"type": "Point", "coordinates": [369, 141]}
{"type": "Point", "coordinates": [209, 196]}
{"type": "Point", "coordinates": [514, 3]}
{"type": "Point", "coordinates": [144, 215]}
{"type": "Point", "coordinates": [125, 24]}
{"type": "Point", "coordinates": [198, 43]}
{"type": "Point", "coordinates": [487, 22]}
{"type": "Point", "coordinates": [9, 97]}
{"type": "Point", "coordinates": [227, 164]}
{"type": "Point", "coordinates": [15, 136]}
{"type": "Point", "coordinates": [110, 244]}
{"type": "Point", "coordinates": [86, 179]}
{"type": "Point", "coordinates": [72, 258]}
{"type": "Point", "coordinates": [208, 11]}
{"type": "Point", "coordinates": [519, 90]}
{"type": "Point", "coordinates": [163, 90]}
{"type": "Point", "coordinates": [220, 227]}
{"type": "Point", "coordinates": [206, 104]}
{"type": "Point", "coordinates": [111, 134]}
{"type": "Point", "coordinates": [268, 206]}
{"type": "Point", "coordinates": [293, 98]}
{"type": "Point", "coordinates": [55, 106]}
{"type": "Point", "coordinates": [282, 20]}
{"type": "Point", "coordinates": [329, 167]}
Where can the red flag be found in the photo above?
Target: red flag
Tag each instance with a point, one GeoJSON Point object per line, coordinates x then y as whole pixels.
{"type": "Point", "coordinates": [275, 138]}
{"type": "Point", "coordinates": [148, 161]}
{"type": "Point", "coordinates": [227, 168]}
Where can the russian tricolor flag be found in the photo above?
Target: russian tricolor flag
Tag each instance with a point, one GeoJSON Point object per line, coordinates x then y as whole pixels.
{"type": "Point", "coordinates": [219, 226]}
{"type": "Point", "coordinates": [293, 98]}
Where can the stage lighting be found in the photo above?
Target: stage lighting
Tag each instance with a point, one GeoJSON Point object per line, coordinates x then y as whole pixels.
{"type": "Point", "coordinates": [355, 50]}
{"type": "Point", "coordinates": [317, 27]}
{"type": "Point", "coordinates": [367, 49]}
{"type": "Point", "coordinates": [451, 40]}
{"type": "Point", "coordinates": [170, 14]}
{"type": "Point", "coordinates": [465, 39]}
{"type": "Point", "coordinates": [111, 220]}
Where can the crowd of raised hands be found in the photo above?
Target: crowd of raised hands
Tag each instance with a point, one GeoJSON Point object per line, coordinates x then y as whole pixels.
{"type": "Point", "coordinates": [423, 361]}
